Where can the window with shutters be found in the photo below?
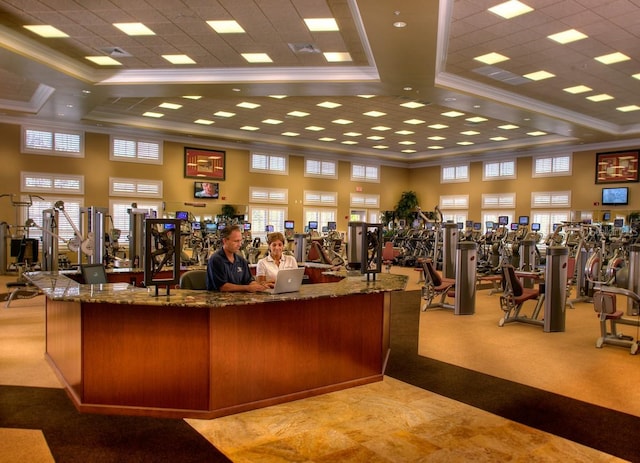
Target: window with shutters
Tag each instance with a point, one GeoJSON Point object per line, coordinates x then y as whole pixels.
{"type": "Point", "coordinates": [454, 173]}
{"type": "Point", "coordinates": [47, 183]}
{"type": "Point", "coordinates": [39, 204]}
{"type": "Point", "coordinates": [455, 216]}
{"type": "Point", "coordinates": [363, 201]}
{"type": "Point", "coordinates": [136, 150]}
{"type": "Point", "coordinates": [269, 163]}
{"type": "Point", "coordinates": [549, 219]}
{"type": "Point", "coordinates": [454, 202]}
{"type": "Point", "coordinates": [552, 166]}
{"type": "Point", "coordinates": [120, 214]}
{"type": "Point", "coordinates": [365, 172]}
{"type": "Point", "coordinates": [268, 195]}
{"type": "Point", "coordinates": [323, 168]}
{"type": "Point", "coordinates": [493, 201]}
{"type": "Point", "coordinates": [322, 215]}
{"type": "Point", "coordinates": [261, 216]}
{"type": "Point", "coordinates": [52, 142]}
{"type": "Point", "coordinates": [498, 170]}
{"type": "Point", "coordinates": [137, 188]}
{"type": "Point", "coordinates": [320, 198]}
{"type": "Point", "coordinates": [492, 217]}
{"type": "Point", "coordinates": [550, 199]}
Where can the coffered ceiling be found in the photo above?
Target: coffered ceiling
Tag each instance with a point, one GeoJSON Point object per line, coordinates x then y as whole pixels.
{"type": "Point", "coordinates": [414, 94]}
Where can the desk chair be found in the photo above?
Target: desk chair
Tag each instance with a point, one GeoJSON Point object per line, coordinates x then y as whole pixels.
{"type": "Point", "coordinates": [436, 286]}
{"type": "Point", "coordinates": [514, 297]}
{"type": "Point", "coordinates": [194, 279]}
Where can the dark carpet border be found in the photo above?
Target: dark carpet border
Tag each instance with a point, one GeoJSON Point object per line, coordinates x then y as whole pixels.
{"type": "Point", "coordinates": [607, 430]}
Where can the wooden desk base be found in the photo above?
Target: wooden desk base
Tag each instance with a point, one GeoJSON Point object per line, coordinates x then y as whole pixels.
{"type": "Point", "coordinates": [206, 362]}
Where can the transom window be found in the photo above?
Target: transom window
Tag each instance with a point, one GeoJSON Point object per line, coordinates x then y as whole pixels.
{"type": "Point", "coordinates": [365, 172]}
{"type": "Point", "coordinates": [269, 163]}
{"type": "Point", "coordinates": [324, 168]}
{"type": "Point", "coordinates": [136, 150]}
{"type": "Point", "coordinates": [490, 201]}
{"type": "Point", "coordinates": [52, 142]}
{"type": "Point", "coordinates": [269, 195]}
{"type": "Point", "coordinates": [454, 173]}
{"type": "Point", "coordinates": [135, 187]}
{"type": "Point", "coordinates": [498, 170]}
{"type": "Point", "coordinates": [550, 166]}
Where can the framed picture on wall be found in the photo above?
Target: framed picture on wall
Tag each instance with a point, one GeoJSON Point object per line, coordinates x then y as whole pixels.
{"type": "Point", "coordinates": [618, 167]}
{"type": "Point", "coordinates": [201, 163]}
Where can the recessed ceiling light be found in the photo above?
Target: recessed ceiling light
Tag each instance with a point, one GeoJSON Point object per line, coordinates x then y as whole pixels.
{"type": "Point", "coordinates": [437, 138]}
{"type": "Point", "coordinates": [452, 114]}
{"type": "Point", "coordinates": [612, 58]}
{"type": "Point", "coordinates": [321, 24]}
{"type": "Point", "coordinates": [380, 147]}
{"type": "Point", "coordinates": [352, 134]}
{"type": "Point", "coordinates": [435, 147]}
{"type": "Point", "coordinates": [329, 104]}
{"type": "Point", "coordinates": [470, 132]}
{"type": "Point", "coordinates": [314, 128]}
{"type": "Point", "coordinates": [203, 121]}
{"type": "Point", "coordinates": [438, 126]}
{"type": "Point", "coordinates": [374, 114]}
{"type": "Point", "coordinates": [226, 27]}
{"type": "Point", "coordinates": [103, 60]}
{"type": "Point", "coordinates": [342, 121]}
{"type": "Point", "coordinates": [577, 89]}
{"type": "Point", "coordinates": [134, 29]}
{"type": "Point", "coordinates": [375, 138]}
{"type": "Point", "coordinates": [626, 109]}
{"type": "Point", "coordinates": [381, 128]}
{"type": "Point", "coordinates": [153, 114]}
{"type": "Point", "coordinates": [170, 105]}
{"type": "Point", "coordinates": [510, 9]}
{"type": "Point", "coordinates": [406, 142]}
{"type": "Point", "coordinates": [178, 59]}
{"type": "Point", "coordinates": [491, 58]}
{"type": "Point", "coordinates": [412, 104]}
{"type": "Point", "coordinates": [414, 121]}
{"type": "Point", "coordinates": [290, 134]}
{"type": "Point", "coordinates": [365, 96]}
{"type": "Point", "coordinates": [476, 119]}
{"type": "Point", "coordinates": [636, 76]}
{"type": "Point", "coordinates": [46, 31]}
{"type": "Point", "coordinates": [567, 36]}
{"type": "Point", "coordinates": [192, 97]}
{"type": "Point", "coordinates": [248, 105]}
{"type": "Point", "coordinates": [600, 97]}
{"type": "Point", "coordinates": [257, 57]}
{"type": "Point", "coordinates": [326, 139]}
{"type": "Point", "coordinates": [405, 132]}
{"type": "Point", "coordinates": [272, 121]}
{"type": "Point", "coordinates": [498, 138]}
{"type": "Point", "coordinates": [349, 142]}
{"type": "Point", "coordinates": [224, 114]}
{"type": "Point", "coordinates": [297, 114]}
{"type": "Point", "coordinates": [277, 97]}
{"type": "Point", "coordinates": [539, 75]}
{"type": "Point", "coordinates": [249, 128]}
{"type": "Point", "coordinates": [408, 151]}
{"type": "Point", "coordinates": [536, 133]}
{"type": "Point", "coordinates": [399, 24]}
{"type": "Point", "coordinates": [508, 127]}
{"type": "Point", "coordinates": [465, 143]}
{"type": "Point", "coordinates": [337, 57]}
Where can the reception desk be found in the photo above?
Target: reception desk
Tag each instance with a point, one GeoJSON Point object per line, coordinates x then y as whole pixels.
{"type": "Point", "coordinates": [118, 349]}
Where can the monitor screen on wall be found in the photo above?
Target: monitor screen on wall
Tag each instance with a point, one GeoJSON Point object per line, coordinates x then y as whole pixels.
{"type": "Point", "coordinates": [206, 190]}
{"type": "Point", "coordinates": [618, 196]}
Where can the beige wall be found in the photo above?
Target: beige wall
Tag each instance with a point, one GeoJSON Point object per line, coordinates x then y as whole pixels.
{"type": "Point", "coordinates": [97, 169]}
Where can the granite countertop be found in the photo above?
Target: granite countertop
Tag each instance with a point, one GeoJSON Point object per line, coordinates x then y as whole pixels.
{"type": "Point", "coordinates": [56, 286]}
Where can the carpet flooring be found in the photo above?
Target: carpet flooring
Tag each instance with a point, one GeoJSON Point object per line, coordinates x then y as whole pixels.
{"type": "Point", "coordinates": [607, 430]}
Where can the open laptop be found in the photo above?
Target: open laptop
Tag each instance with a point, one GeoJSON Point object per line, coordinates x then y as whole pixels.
{"type": "Point", "coordinates": [288, 281]}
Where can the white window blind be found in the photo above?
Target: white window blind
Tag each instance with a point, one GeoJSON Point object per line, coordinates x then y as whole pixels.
{"type": "Point", "coordinates": [499, 170]}
{"type": "Point", "coordinates": [550, 199]}
{"type": "Point", "coordinates": [261, 216]}
{"type": "Point", "coordinates": [65, 228]}
{"type": "Point", "coordinates": [547, 166]}
{"type": "Point", "coordinates": [454, 202]}
{"type": "Point", "coordinates": [40, 182]}
{"type": "Point", "coordinates": [507, 200]}
{"type": "Point", "coordinates": [135, 150]}
{"type": "Point", "coordinates": [52, 142]}
{"type": "Point", "coordinates": [321, 215]}
{"type": "Point", "coordinates": [547, 219]}
{"type": "Point", "coordinates": [359, 200]}
{"type": "Point", "coordinates": [324, 198]}
{"type": "Point", "coordinates": [269, 163]}
{"type": "Point", "coordinates": [365, 172]}
{"type": "Point", "coordinates": [454, 173]}
{"type": "Point", "coordinates": [269, 195]}
{"type": "Point", "coordinates": [320, 168]}
{"type": "Point", "coordinates": [138, 188]}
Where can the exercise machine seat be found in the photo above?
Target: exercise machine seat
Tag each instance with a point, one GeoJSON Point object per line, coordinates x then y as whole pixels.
{"type": "Point", "coordinates": [436, 286]}
{"type": "Point", "coordinates": [194, 279]}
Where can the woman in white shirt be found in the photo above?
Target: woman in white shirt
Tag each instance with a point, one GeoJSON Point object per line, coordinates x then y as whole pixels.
{"type": "Point", "coordinates": [268, 267]}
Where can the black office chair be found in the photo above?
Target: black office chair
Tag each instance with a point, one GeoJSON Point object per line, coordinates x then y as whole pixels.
{"type": "Point", "coordinates": [194, 279]}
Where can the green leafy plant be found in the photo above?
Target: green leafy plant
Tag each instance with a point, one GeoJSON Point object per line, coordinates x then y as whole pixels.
{"type": "Point", "coordinates": [406, 206]}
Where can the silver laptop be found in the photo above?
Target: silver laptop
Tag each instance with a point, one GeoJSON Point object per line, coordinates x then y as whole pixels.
{"type": "Point", "coordinates": [288, 281]}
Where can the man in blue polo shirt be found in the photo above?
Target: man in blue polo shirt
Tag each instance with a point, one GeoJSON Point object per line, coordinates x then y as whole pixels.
{"type": "Point", "coordinates": [229, 271]}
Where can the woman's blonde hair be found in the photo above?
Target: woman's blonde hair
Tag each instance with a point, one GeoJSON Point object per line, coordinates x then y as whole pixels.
{"type": "Point", "coordinates": [275, 236]}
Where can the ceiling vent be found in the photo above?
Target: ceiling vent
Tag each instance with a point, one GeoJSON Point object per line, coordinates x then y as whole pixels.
{"type": "Point", "coordinates": [501, 75]}
{"type": "Point", "coordinates": [302, 48]}
{"type": "Point", "coordinates": [116, 52]}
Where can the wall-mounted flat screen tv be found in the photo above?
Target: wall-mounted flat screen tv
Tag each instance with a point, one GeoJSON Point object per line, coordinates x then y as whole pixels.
{"type": "Point", "coordinates": [618, 196]}
{"type": "Point", "coordinates": [503, 220]}
{"type": "Point", "coordinates": [203, 190]}
{"type": "Point", "coordinates": [289, 224]}
{"type": "Point", "coordinates": [523, 220]}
